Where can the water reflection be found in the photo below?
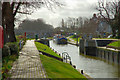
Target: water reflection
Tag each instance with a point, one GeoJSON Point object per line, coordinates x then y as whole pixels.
{"type": "Point", "coordinates": [92, 66]}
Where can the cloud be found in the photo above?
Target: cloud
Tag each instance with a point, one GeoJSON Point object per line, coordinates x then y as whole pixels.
{"type": "Point", "coordinates": [73, 8]}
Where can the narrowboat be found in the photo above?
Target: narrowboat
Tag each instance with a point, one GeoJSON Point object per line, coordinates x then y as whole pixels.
{"type": "Point", "coordinates": [60, 39]}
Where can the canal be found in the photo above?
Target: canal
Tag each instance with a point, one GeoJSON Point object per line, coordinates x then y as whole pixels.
{"type": "Point", "coordinates": [94, 67]}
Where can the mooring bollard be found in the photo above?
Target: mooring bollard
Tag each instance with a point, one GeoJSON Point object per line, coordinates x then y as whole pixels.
{"type": "Point", "coordinates": [70, 62]}
{"type": "Point", "coordinates": [74, 66]}
{"type": "Point", "coordinates": [59, 55]}
{"type": "Point", "coordinates": [81, 71]}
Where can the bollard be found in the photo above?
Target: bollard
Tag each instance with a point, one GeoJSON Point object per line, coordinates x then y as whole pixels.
{"type": "Point", "coordinates": [81, 71]}
{"type": "Point", "coordinates": [59, 55]}
{"type": "Point", "coordinates": [70, 62]}
{"type": "Point", "coordinates": [74, 66]}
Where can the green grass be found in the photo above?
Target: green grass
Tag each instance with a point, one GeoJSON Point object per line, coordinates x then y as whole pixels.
{"type": "Point", "coordinates": [30, 39]}
{"type": "Point", "coordinates": [76, 38]}
{"type": "Point", "coordinates": [46, 49]}
{"type": "Point", "coordinates": [68, 39]}
{"type": "Point", "coordinates": [57, 69]}
{"type": "Point", "coordinates": [50, 38]}
{"type": "Point", "coordinates": [71, 36]}
{"type": "Point", "coordinates": [115, 44]}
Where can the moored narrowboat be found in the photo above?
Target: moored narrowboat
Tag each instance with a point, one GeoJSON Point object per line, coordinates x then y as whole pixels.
{"type": "Point", "coordinates": [60, 39]}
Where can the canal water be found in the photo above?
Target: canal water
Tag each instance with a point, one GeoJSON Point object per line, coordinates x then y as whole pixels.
{"type": "Point", "coordinates": [92, 66]}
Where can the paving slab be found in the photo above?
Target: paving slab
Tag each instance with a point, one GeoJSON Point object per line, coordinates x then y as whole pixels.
{"type": "Point", "coordinates": [28, 65]}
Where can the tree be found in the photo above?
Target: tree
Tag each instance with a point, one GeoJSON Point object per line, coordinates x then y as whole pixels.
{"type": "Point", "coordinates": [110, 12]}
{"type": "Point", "coordinates": [35, 25]}
{"type": "Point", "coordinates": [71, 22]}
{"type": "Point", "coordinates": [9, 11]}
{"type": "Point", "coordinates": [80, 21]}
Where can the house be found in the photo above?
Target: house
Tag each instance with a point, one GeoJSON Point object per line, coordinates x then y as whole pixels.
{"type": "Point", "coordinates": [97, 26]}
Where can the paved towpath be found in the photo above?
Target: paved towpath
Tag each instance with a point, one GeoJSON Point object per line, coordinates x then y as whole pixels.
{"type": "Point", "coordinates": [110, 49]}
{"type": "Point", "coordinates": [28, 64]}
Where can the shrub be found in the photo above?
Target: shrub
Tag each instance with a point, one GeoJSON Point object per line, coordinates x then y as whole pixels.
{"type": "Point", "coordinates": [5, 51]}
{"type": "Point", "coordinates": [14, 48]}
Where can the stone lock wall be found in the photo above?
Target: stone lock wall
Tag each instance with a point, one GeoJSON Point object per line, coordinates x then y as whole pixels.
{"type": "Point", "coordinates": [93, 48]}
{"type": "Point", "coordinates": [109, 55]}
{"type": "Point", "coordinates": [88, 47]}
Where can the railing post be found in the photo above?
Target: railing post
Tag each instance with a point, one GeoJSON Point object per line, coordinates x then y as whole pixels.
{"type": "Point", "coordinates": [66, 58]}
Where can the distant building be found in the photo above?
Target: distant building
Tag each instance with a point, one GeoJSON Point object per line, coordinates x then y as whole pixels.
{"type": "Point", "coordinates": [97, 26]}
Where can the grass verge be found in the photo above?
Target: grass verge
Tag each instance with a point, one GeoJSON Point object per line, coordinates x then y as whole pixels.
{"type": "Point", "coordinates": [50, 38]}
{"type": "Point", "coordinates": [58, 69]}
{"type": "Point", "coordinates": [115, 44]}
{"type": "Point", "coordinates": [46, 49]}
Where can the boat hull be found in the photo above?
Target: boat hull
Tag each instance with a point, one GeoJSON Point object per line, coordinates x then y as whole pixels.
{"type": "Point", "coordinates": [61, 41]}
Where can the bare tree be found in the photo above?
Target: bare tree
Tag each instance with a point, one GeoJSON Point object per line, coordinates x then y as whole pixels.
{"type": "Point", "coordinates": [80, 21]}
{"type": "Point", "coordinates": [9, 11]}
{"type": "Point", "coordinates": [109, 11]}
{"type": "Point", "coordinates": [72, 22]}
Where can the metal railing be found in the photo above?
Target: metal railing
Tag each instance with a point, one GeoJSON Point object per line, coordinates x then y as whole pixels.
{"type": "Point", "coordinates": [66, 58]}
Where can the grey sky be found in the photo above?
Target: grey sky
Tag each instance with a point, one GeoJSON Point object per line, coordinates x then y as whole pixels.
{"type": "Point", "coordinates": [73, 8]}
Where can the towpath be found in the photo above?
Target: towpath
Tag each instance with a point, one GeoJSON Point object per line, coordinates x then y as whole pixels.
{"type": "Point", "coordinates": [28, 64]}
{"type": "Point", "coordinates": [110, 49]}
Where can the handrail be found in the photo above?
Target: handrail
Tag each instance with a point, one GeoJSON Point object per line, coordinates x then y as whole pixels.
{"type": "Point", "coordinates": [66, 56]}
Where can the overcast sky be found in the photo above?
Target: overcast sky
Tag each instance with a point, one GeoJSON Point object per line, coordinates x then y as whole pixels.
{"type": "Point", "coordinates": [72, 8]}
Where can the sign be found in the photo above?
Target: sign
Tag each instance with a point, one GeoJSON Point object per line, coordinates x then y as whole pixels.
{"type": "Point", "coordinates": [1, 37]}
